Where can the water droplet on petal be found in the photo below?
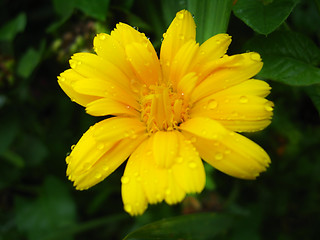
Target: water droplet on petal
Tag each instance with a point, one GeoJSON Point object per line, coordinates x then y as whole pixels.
{"type": "Point", "coordinates": [125, 180]}
{"type": "Point", "coordinates": [179, 159]}
{"type": "Point", "coordinates": [105, 168]}
{"type": "Point", "coordinates": [218, 156]}
{"type": "Point", "coordinates": [181, 37]}
{"type": "Point", "coordinates": [255, 56]}
{"type": "Point", "coordinates": [98, 175]}
{"type": "Point", "coordinates": [227, 151]}
{"type": "Point", "coordinates": [268, 107]}
{"type": "Point", "coordinates": [180, 15]}
{"type": "Point", "coordinates": [164, 35]}
{"type": "Point", "coordinates": [193, 139]}
{"type": "Point", "coordinates": [62, 79]}
{"type": "Point", "coordinates": [192, 165]}
{"type": "Point", "coordinates": [100, 146]}
{"type": "Point", "coordinates": [168, 191]}
{"type": "Point", "coordinates": [212, 104]}
{"type": "Point", "coordinates": [243, 99]}
{"type": "Point", "coordinates": [68, 158]}
{"type": "Point", "coordinates": [128, 208]}
{"type": "Point", "coordinates": [102, 36]}
{"type": "Point", "coordinates": [72, 147]}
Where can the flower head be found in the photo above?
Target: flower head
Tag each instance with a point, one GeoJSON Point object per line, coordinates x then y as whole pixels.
{"type": "Point", "coordinates": [166, 115]}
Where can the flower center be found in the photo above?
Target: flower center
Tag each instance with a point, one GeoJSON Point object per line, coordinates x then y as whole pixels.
{"type": "Point", "coordinates": [162, 109]}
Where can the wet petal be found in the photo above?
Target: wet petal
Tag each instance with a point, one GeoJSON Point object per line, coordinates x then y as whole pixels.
{"type": "Point", "coordinates": [225, 150]}
{"type": "Point", "coordinates": [144, 62]}
{"type": "Point", "coordinates": [211, 50]}
{"type": "Point", "coordinates": [165, 148]}
{"type": "Point", "coordinates": [111, 50]}
{"type": "Point", "coordinates": [105, 89]}
{"type": "Point", "coordinates": [181, 30]}
{"type": "Point", "coordinates": [227, 72]}
{"type": "Point", "coordinates": [66, 80]}
{"type": "Point", "coordinates": [133, 195]}
{"type": "Point", "coordinates": [236, 112]}
{"type": "Point", "coordinates": [189, 171]}
{"type": "Point", "coordinates": [92, 66]}
{"type": "Point", "coordinates": [182, 61]}
{"type": "Point", "coordinates": [105, 106]}
{"type": "Point", "coordinates": [91, 161]}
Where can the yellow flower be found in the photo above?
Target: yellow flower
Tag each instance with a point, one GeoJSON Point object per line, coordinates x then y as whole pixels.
{"type": "Point", "coordinates": [166, 115]}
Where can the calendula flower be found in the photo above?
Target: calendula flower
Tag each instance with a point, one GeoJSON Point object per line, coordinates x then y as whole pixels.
{"type": "Point", "coordinates": [166, 115]}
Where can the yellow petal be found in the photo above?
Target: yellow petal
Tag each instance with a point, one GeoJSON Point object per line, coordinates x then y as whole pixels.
{"type": "Point", "coordinates": [182, 61]}
{"type": "Point", "coordinates": [111, 50]}
{"type": "Point", "coordinates": [105, 89]}
{"type": "Point", "coordinates": [116, 128]}
{"type": "Point", "coordinates": [174, 193]}
{"type": "Point", "coordinates": [126, 35]}
{"type": "Point", "coordinates": [92, 66]}
{"type": "Point", "coordinates": [227, 72]}
{"type": "Point", "coordinates": [91, 161]}
{"type": "Point", "coordinates": [165, 148]}
{"type": "Point", "coordinates": [204, 127]}
{"type": "Point", "coordinates": [189, 171]}
{"type": "Point", "coordinates": [144, 62]}
{"type": "Point", "coordinates": [187, 84]}
{"type": "Point", "coordinates": [229, 152]}
{"type": "Point", "coordinates": [66, 81]}
{"type": "Point", "coordinates": [211, 50]}
{"type": "Point", "coordinates": [133, 195]}
{"type": "Point", "coordinates": [181, 30]}
{"type": "Point", "coordinates": [235, 111]}
{"type": "Point", "coordinates": [106, 106]}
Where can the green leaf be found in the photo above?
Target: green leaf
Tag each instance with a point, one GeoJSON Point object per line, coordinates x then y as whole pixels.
{"type": "Point", "coordinates": [264, 16]}
{"type": "Point", "coordinates": [211, 17]}
{"type": "Point", "coordinates": [9, 128]}
{"type": "Point", "coordinates": [29, 61]}
{"type": "Point", "coordinates": [13, 27]}
{"type": "Point", "coordinates": [52, 211]}
{"type": "Point", "coordinates": [64, 8]}
{"type": "Point", "coordinates": [194, 226]}
{"type": "Point", "coordinates": [94, 8]}
{"type": "Point", "coordinates": [288, 58]}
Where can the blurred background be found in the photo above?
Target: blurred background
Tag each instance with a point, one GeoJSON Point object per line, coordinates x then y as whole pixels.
{"type": "Point", "coordinates": [39, 123]}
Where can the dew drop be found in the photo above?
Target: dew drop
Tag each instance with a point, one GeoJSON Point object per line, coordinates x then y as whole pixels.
{"type": "Point", "coordinates": [179, 159]}
{"type": "Point", "coordinates": [218, 156]}
{"type": "Point", "coordinates": [68, 158]}
{"type": "Point", "coordinates": [105, 168]}
{"type": "Point", "coordinates": [72, 147]}
{"type": "Point", "coordinates": [102, 37]}
{"type": "Point", "coordinates": [73, 64]}
{"type": "Point", "coordinates": [168, 191]}
{"type": "Point", "coordinates": [98, 175]}
{"type": "Point", "coordinates": [128, 208]}
{"type": "Point", "coordinates": [193, 139]}
{"type": "Point", "coordinates": [268, 107]}
{"type": "Point", "coordinates": [62, 79]}
{"type": "Point", "coordinates": [125, 180]}
{"type": "Point", "coordinates": [202, 52]}
{"type": "Point", "coordinates": [212, 104]}
{"type": "Point", "coordinates": [227, 151]}
{"type": "Point", "coordinates": [243, 99]}
{"type": "Point", "coordinates": [180, 15]}
{"type": "Point", "coordinates": [192, 165]}
{"type": "Point", "coordinates": [255, 56]}
{"type": "Point", "coordinates": [100, 146]}
{"type": "Point", "coordinates": [181, 37]}
{"type": "Point", "coordinates": [164, 35]}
